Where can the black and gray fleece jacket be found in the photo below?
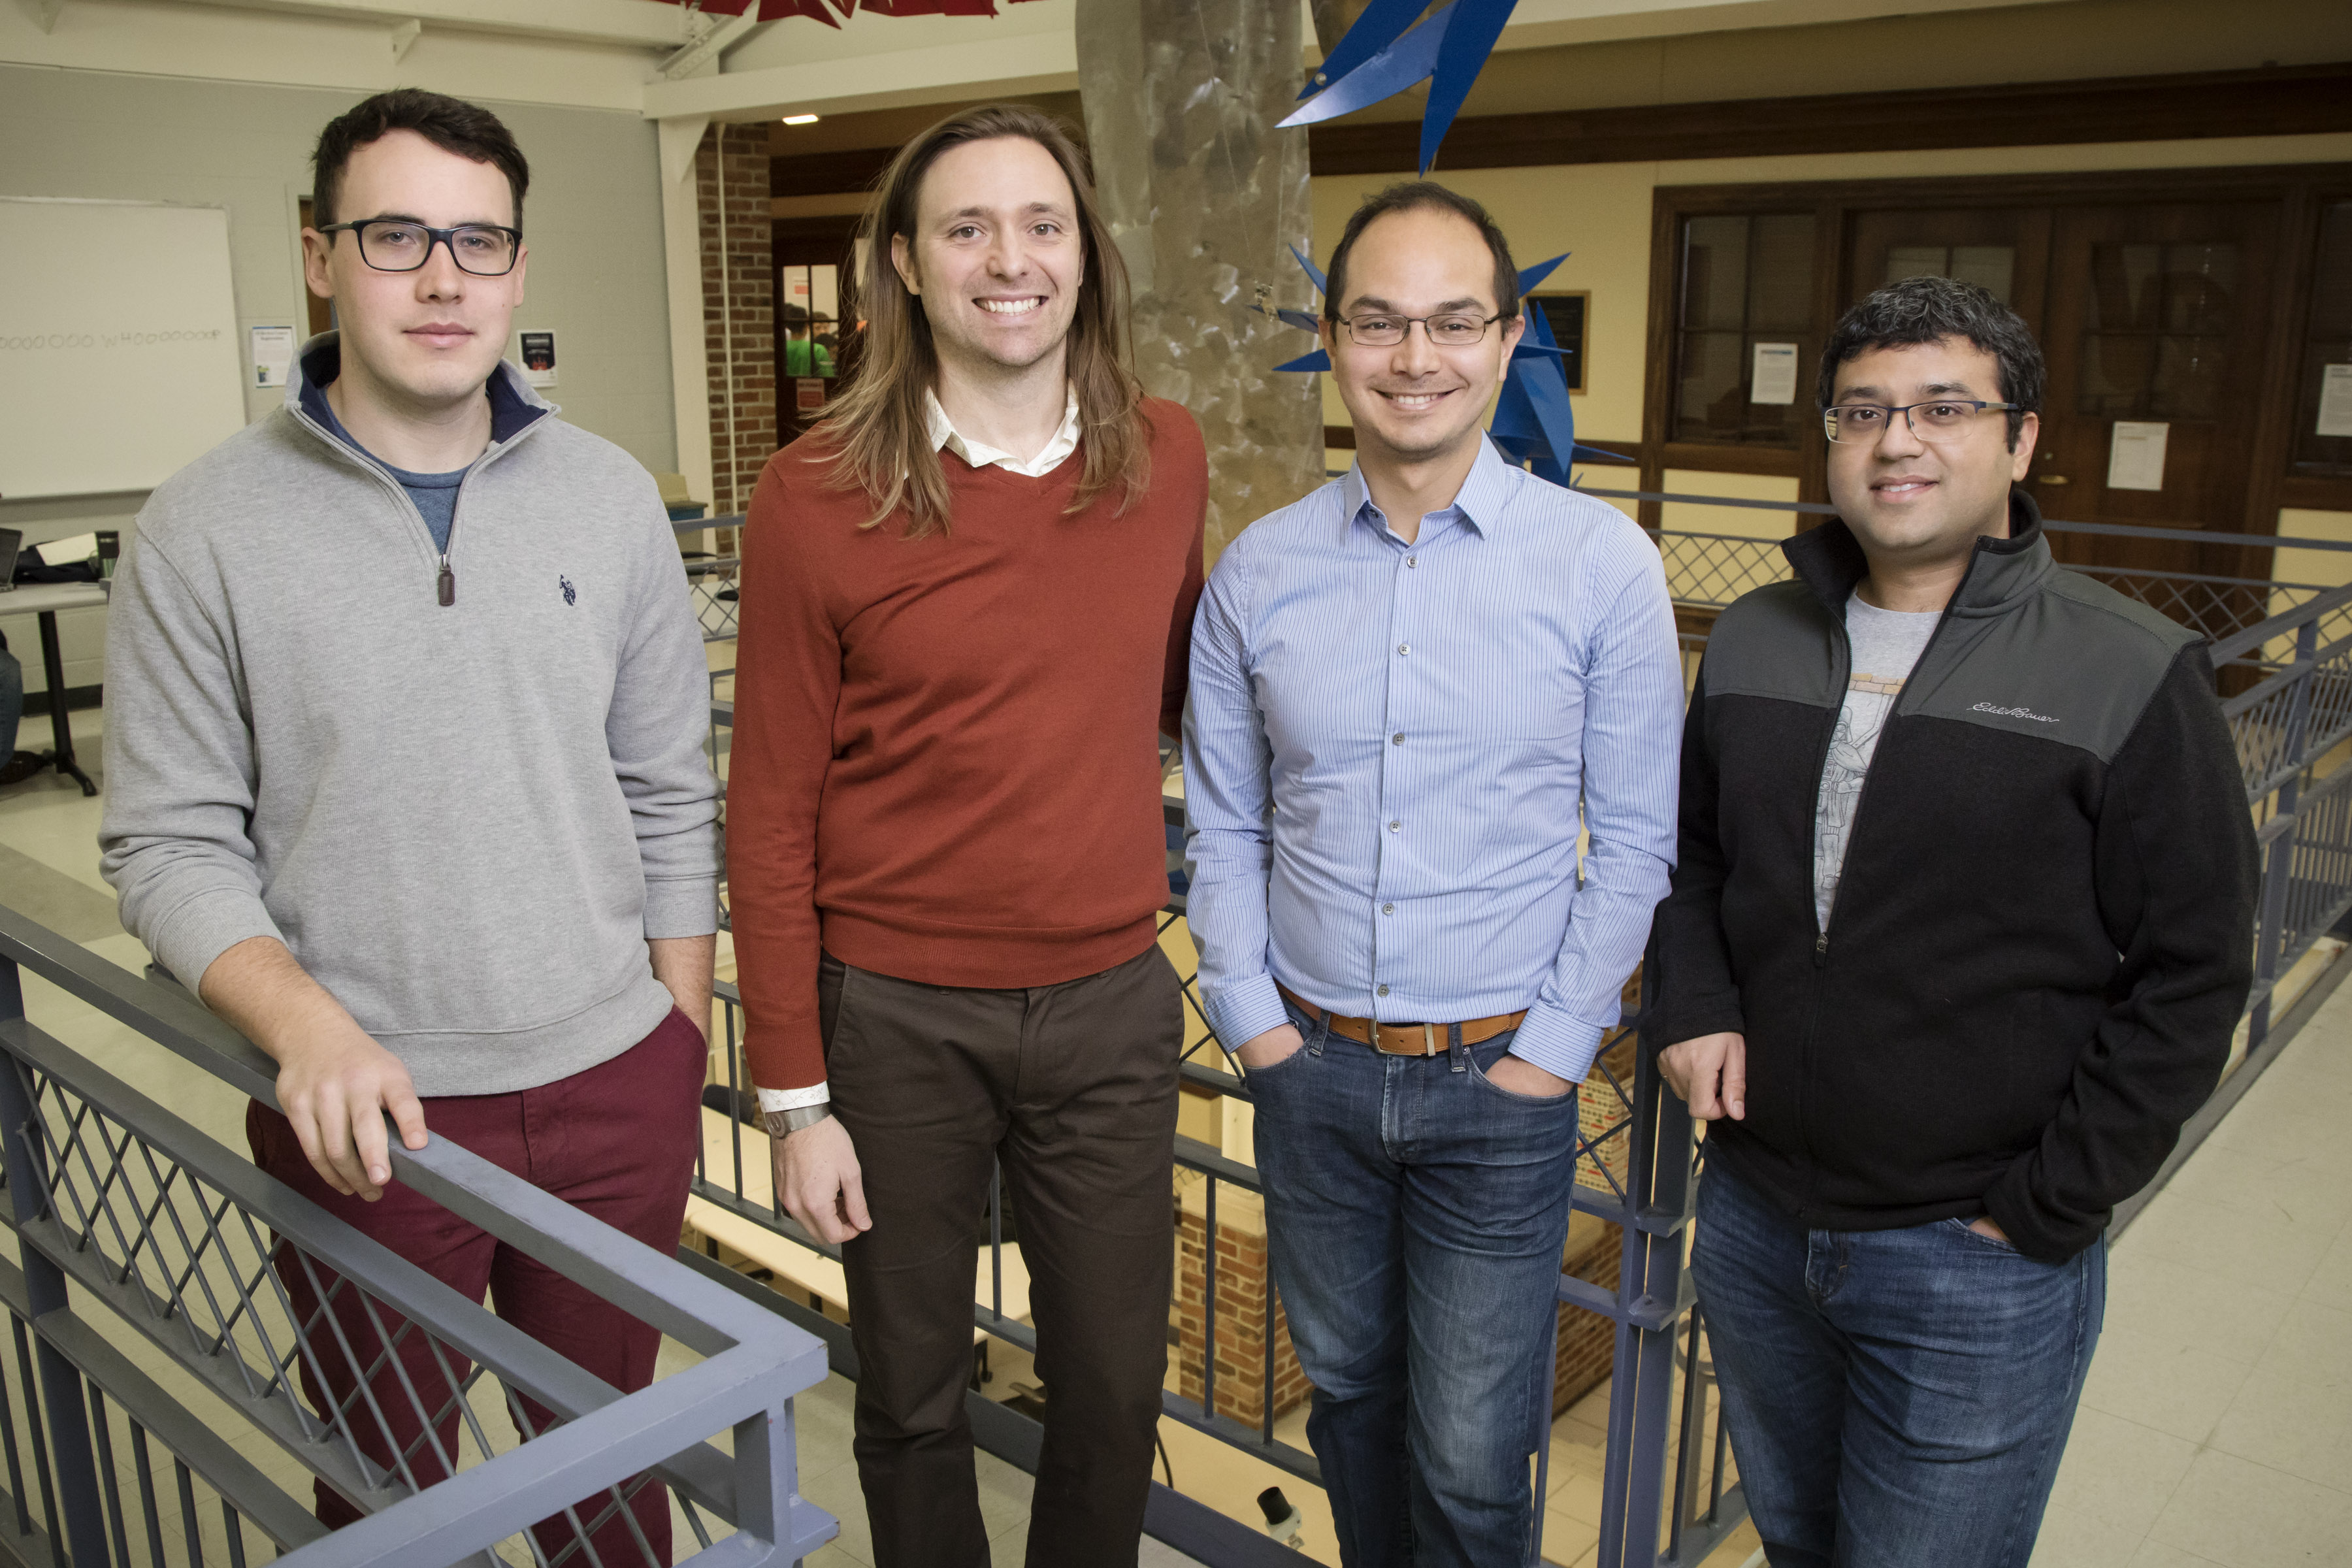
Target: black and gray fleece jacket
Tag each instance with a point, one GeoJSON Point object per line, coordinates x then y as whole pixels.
{"type": "Point", "coordinates": [2043, 935]}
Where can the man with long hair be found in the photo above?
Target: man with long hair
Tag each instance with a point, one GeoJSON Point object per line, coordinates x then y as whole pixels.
{"type": "Point", "coordinates": [967, 600]}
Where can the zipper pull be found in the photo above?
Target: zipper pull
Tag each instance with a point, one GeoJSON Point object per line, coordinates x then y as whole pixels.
{"type": "Point", "coordinates": [448, 584]}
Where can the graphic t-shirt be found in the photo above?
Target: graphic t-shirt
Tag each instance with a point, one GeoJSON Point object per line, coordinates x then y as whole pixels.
{"type": "Point", "coordinates": [1886, 644]}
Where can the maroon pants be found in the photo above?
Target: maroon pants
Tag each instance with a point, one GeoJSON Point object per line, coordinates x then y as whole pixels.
{"type": "Point", "coordinates": [617, 1141]}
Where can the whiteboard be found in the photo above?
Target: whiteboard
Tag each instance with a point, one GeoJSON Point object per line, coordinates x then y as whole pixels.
{"type": "Point", "coordinates": [118, 360]}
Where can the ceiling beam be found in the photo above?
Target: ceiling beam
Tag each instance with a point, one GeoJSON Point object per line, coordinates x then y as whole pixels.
{"type": "Point", "coordinates": [2273, 102]}
{"type": "Point", "coordinates": [985, 67]}
{"type": "Point", "coordinates": [635, 24]}
{"type": "Point", "coordinates": [709, 48]}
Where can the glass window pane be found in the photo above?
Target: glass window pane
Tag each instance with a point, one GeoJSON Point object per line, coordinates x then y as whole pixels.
{"type": "Point", "coordinates": [1781, 272]}
{"type": "Point", "coordinates": [1917, 261]}
{"type": "Point", "coordinates": [2188, 381]}
{"type": "Point", "coordinates": [2116, 371]}
{"type": "Point", "coordinates": [2201, 285]}
{"type": "Point", "coordinates": [1710, 403]}
{"type": "Point", "coordinates": [1714, 272]}
{"type": "Point", "coordinates": [2327, 340]}
{"type": "Point", "coordinates": [2331, 289]}
{"type": "Point", "coordinates": [2126, 287]}
{"type": "Point", "coordinates": [1993, 267]}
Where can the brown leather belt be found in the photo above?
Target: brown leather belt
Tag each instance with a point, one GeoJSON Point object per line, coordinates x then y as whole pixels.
{"type": "Point", "coordinates": [1406, 1039]}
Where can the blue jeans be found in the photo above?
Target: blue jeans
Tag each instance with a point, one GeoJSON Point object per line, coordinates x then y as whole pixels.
{"type": "Point", "coordinates": [1894, 1396]}
{"type": "Point", "coordinates": [1416, 1215]}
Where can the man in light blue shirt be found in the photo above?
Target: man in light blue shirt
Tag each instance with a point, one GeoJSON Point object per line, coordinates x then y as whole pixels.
{"type": "Point", "coordinates": [1402, 688]}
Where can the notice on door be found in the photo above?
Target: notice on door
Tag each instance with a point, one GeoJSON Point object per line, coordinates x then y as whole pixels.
{"type": "Point", "coordinates": [2336, 401]}
{"type": "Point", "coordinates": [2136, 456]}
{"type": "Point", "coordinates": [1774, 376]}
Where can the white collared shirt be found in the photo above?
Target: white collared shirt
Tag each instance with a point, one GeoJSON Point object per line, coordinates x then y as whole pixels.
{"type": "Point", "coordinates": [943, 433]}
{"type": "Point", "coordinates": [980, 456]}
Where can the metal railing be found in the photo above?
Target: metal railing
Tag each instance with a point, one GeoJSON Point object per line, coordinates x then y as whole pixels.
{"type": "Point", "coordinates": [1669, 1490]}
{"type": "Point", "coordinates": [171, 1301]}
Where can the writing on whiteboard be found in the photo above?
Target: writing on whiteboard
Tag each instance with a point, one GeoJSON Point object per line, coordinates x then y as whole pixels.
{"type": "Point", "coordinates": [108, 340]}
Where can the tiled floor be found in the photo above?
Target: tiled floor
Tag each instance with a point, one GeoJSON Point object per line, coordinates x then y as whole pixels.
{"type": "Point", "coordinates": [2217, 1427]}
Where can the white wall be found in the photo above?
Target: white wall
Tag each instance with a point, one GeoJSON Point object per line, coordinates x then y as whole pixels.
{"type": "Point", "coordinates": [594, 221]}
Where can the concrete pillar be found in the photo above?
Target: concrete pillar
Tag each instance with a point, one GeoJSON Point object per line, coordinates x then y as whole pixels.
{"type": "Point", "coordinates": [1204, 197]}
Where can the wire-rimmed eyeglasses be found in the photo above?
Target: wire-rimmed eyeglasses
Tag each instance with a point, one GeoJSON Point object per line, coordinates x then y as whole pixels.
{"type": "Point", "coordinates": [1380, 331]}
{"type": "Point", "coordinates": [397, 244]}
{"type": "Point", "coordinates": [1869, 421]}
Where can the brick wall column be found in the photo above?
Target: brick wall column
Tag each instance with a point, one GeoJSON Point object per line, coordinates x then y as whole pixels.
{"type": "Point", "coordinates": [739, 296]}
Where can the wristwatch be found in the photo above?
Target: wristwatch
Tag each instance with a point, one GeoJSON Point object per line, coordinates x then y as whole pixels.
{"type": "Point", "coordinates": [783, 1123]}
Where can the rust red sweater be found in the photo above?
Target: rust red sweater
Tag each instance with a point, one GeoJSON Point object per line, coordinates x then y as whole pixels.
{"type": "Point", "coordinates": [942, 764]}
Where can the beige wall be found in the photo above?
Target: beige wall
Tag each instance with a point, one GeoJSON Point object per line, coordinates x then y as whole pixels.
{"type": "Point", "coordinates": [593, 217]}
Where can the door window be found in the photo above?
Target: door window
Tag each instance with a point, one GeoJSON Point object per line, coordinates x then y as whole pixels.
{"type": "Point", "coordinates": [1746, 278]}
{"type": "Point", "coordinates": [2155, 325]}
{"type": "Point", "coordinates": [2323, 390]}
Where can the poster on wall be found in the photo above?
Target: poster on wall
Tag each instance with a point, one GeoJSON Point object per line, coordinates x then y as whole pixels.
{"type": "Point", "coordinates": [538, 358]}
{"type": "Point", "coordinates": [1774, 379]}
{"type": "Point", "coordinates": [2136, 456]}
{"type": "Point", "coordinates": [273, 355]}
{"type": "Point", "coordinates": [2336, 401]}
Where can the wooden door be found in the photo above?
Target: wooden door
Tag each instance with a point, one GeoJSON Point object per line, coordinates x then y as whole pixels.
{"type": "Point", "coordinates": [2154, 332]}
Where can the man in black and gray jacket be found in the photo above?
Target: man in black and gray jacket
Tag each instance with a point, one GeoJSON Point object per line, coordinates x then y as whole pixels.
{"type": "Point", "coordinates": [1959, 934]}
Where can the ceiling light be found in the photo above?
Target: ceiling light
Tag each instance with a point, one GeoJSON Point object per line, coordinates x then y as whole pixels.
{"type": "Point", "coordinates": [800, 120]}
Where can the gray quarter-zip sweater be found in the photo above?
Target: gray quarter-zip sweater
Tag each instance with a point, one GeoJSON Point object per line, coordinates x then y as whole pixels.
{"type": "Point", "coordinates": [464, 788]}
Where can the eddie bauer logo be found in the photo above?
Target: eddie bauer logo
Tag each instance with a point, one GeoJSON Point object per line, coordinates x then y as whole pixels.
{"type": "Point", "coordinates": [2013, 714]}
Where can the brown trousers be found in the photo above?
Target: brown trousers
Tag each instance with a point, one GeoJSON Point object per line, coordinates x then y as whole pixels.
{"type": "Point", "coordinates": [1074, 1088]}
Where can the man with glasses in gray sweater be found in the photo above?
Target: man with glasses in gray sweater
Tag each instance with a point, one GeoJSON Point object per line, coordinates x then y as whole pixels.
{"type": "Point", "coordinates": [406, 776]}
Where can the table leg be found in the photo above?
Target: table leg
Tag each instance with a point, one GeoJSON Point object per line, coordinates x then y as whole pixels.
{"type": "Point", "coordinates": [53, 666]}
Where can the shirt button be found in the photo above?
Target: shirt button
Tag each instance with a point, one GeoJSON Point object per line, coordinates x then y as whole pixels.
{"type": "Point", "coordinates": [1395, 827]}
{"type": "Point", "coordinates": [1388, 909]}
{"type": "Point", "coordinates": [1397, 739]}
{"type": "Point", "coordinates": [1384, 990]}
{"type": "Point", "coordinates": [1404, 648]}
{"type": "Point", "coordinates": [1412, 560]}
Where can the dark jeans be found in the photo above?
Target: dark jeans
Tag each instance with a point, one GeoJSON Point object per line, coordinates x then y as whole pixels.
{"type": "Point", "coordinates": [1894, 1396]}
{"type": "Point", "coordinates": [616, 1140]}
{"type": "Point", "coordinates": [1074, 1088]}
{"type": "Point", "coordinates": [1416, 1214]}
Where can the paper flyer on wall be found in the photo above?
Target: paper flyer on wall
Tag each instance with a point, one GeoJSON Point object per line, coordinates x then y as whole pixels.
{"type": "Point", "coordinates": [273, 355]}
{"type": "Point", "coordinates": [2335, 401]}
{"type": "Point", "coordinates": [538, 358]}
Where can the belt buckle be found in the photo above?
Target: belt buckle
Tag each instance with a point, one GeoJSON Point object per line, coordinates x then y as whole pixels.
{"type": "Point", "coordinates": [1429, 1039]}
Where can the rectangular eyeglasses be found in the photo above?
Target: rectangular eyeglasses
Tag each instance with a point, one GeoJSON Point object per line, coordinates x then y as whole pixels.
{"type": "Point", "coordinates": [397, 244]}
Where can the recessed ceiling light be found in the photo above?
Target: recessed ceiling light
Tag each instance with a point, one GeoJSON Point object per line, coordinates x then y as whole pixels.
{"type": "Point", "coordinates": [800, 120]}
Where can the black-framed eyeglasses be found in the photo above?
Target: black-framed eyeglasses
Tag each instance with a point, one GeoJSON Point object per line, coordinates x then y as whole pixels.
{"type": "Point", "coordinates": [1869, 421]}
{"type": "Point", "coordinates": [1385, 331]}
{"type": "Point", "coordinates": [396, 245]}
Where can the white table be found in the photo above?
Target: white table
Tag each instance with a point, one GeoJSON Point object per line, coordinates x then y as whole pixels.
{"type": "Point", "coordinates": [45, 600]}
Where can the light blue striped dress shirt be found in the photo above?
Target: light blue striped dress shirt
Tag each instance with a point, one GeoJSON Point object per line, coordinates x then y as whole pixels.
{"type": "Point", "coordinates": [1386, 748]}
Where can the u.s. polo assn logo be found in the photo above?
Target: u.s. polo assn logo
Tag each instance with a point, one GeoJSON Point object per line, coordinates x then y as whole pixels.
{"type": "Point", "coordinates": [2011, 713]}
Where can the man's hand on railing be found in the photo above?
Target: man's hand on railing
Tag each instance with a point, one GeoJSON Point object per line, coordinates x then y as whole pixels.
{"type": "Point", "coordinates": [817, 1177]}
{"type": "Point", "coordinates": [1711, 1072]}
{"type": "Point", "coordinates": [335, 1083]}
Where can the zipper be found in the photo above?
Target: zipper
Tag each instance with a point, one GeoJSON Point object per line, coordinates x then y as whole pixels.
{"type": "Point", "coordinates": [1822, 925]}
{"type": "Point", "coordinates": [444, 584]}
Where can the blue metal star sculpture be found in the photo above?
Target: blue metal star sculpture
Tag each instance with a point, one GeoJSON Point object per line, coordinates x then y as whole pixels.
{"type": "Point", "coordinates": [1379, 59]}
